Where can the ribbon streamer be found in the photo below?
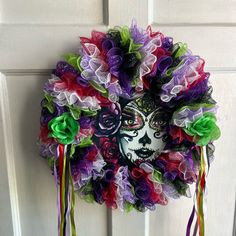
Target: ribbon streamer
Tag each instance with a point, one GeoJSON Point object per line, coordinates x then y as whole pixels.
{"type": "Point", "coordinates": [198, 206]}
{"type": "Point", "coordinates": [190, 221]}
{"type": "Point", "coordinates": [200, 195]}
{"type": "Point", "coordinates": [66, 195]}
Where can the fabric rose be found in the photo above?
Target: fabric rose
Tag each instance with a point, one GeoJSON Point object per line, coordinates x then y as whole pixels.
{"type": "Point", "coordinates": [109, 149]}
{"type": "Point", "coordinates": [64, 128]}
{"type": "Point", "coordinates": [204, 129]}
{"type": "Point", "coordinates": [49, 113]}
{"type": "Point", "coordinates": [109, 120]}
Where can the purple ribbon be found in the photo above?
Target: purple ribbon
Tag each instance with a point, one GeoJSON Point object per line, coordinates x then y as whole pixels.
{"type": "Point", "coordinates": [58, 201]}
{"type": "Point", "coordinates": [190, 221]}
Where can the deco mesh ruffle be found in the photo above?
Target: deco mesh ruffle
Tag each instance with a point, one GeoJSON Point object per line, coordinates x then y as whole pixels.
{"type": "Point", "coordinates": [126, 121]}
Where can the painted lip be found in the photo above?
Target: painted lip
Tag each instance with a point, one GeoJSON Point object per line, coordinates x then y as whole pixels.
{"type": "Point", "coordinates": [144, 153]}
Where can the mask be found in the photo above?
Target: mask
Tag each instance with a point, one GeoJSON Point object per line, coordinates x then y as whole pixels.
{"type": "Point", "coordinates": [142, 135]}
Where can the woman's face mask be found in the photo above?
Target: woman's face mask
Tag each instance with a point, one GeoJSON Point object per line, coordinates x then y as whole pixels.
{"type": "Point", "coordinates": [141, 134]}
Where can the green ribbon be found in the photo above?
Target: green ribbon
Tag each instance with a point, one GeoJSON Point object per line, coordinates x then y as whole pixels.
{"type": "Point", "coordinates": [87, 192]}
{"type": "Point", "coordinates": [48, 103]}
{"type": "Point", "coordinates": [126, 39]}
{"type": "Point", "coordinates": [74, 60]}
{"type": "Point", "coordinates": [204, 129]}
{"type": "Point", "coordinates": [99, 88]}
{"type": "Point", "coordinates": [128, 207]}
{"type": "Point", "coordinates": [157, 176]}
{"type": "Point", "coordinates": [62, 197]}
{"type": "Point", "coordinates": [180, 49]}
{"type": "Point", "coordinates": [172, 69]}
{"type": "Point", "coordinates": [64, 128]}
{"type": "Point", "coordinates": [125, 35]}
{"type": "Point", "coordinates": [200, 195]}
{"type": "Point", "coordinates": [75, 111]}
{"type": "Point", "coordinates": [88, 112]}
{"type": "Point", "coordinates": [85, 142]}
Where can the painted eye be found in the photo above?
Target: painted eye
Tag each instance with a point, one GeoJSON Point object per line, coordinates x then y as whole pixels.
{"type": "Point", "coordinates": [157, 121]}
{"type": "Point", "coordinates": [128, 122]}
{"type": "Point", "coordinates": [131, 120]}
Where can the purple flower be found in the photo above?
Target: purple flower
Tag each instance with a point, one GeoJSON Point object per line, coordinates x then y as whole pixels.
{"type": "Point", "coordinates": [109, 120]}
{"type": "Point", "coordinates": [46, 115]}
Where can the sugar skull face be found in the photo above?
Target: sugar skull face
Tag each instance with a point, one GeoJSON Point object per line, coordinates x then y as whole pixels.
{"type": "Point", "coordinates": [142, 135]}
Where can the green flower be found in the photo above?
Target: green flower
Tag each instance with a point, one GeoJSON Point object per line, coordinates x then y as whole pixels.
{"type": "Point", "coordinates": [204, 129]}
{"type": "Point", "coordinates": [64, 128]}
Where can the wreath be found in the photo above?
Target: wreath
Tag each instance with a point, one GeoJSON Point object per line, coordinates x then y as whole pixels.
{"type": "Point", "coordinates": [126, 122]}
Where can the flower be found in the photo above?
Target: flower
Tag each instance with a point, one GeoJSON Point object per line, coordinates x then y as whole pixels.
{"type": "Point", "coordinates": [64, 128]}
{"type": "Point", "coordinates": [46, 115]}
{"type": "Point", "coordinates": [204, 129]}
{"type": "Point", "coordinates": [109, 149]}
{"type": "Point", "coordinates": [109, 120]}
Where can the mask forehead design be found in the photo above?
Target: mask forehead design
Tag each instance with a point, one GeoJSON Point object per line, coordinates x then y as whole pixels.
{"type": "Point", "coordinates": [144, 104]}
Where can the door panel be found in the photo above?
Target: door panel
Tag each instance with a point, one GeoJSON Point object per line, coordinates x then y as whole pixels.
{"type": "Point", "coordinates": [195, 12]}
{"type": "Point", "coordinates": [52, 12]}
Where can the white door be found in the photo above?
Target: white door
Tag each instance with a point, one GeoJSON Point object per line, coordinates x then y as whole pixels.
{"type": "Point", "coordinates": [34, 34]}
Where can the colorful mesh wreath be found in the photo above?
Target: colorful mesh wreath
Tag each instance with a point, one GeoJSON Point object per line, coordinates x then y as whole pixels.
{"type": "Point", "coordinates": [126, 121]}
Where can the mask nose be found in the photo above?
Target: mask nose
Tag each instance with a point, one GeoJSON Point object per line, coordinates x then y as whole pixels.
{"type": "Point", "coordinates": [145, 140]}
